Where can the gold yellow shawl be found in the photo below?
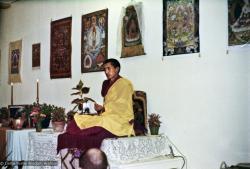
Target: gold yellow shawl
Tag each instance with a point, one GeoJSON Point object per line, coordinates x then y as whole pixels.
{"type": "Point", "coordinates": [118, 111]}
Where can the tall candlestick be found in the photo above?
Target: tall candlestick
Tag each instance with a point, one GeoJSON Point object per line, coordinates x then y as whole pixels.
{"type": "Point", "coordinates": [11, 101]}
{"type": "Point", "coordinates": [37, 90]}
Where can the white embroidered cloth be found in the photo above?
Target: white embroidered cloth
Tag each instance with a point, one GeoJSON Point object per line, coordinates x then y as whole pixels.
{"type": "Point", "coordinates": [131, 149]}
{"type": "Point", "coordinates": [42, 149]}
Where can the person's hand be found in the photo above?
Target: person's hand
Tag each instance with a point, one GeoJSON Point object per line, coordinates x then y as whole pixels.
{"type": "Point", "coordinates": [98, 107]}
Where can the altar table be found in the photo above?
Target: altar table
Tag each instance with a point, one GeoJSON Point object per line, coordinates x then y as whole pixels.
{"type": "Point", "coordinates": [27, 144]}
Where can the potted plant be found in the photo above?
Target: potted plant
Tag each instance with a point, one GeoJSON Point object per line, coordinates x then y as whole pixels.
{"type": "Point", "coordinates": [154, 123]}
{"type": "Point", "coordinates": [4, 116]}
{"type": "Point", "coordinates": [58, 119]}
{"type": "Point", "coordinates": [79, 102]}
{"type": "Point", "coordinates": [46, 109]}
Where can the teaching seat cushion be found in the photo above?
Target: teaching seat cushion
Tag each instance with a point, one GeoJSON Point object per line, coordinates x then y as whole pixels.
{"type": "Point", "coordinates": [140, 112]}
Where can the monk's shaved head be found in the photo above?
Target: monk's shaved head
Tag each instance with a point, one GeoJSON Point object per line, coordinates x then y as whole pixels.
{"type": "Point", "coordinates": [95, 156]}
{"type": "Point", "coordinates": [93, 159]}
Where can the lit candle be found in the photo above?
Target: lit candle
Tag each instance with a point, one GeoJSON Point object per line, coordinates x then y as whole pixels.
{"type": "Point", "coordinates": [11, 93]}
{"type": "Point", "coordinates": [37, 90]}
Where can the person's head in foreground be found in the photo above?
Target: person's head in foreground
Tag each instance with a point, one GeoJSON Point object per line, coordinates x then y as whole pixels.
{"type": "Point", "coordinates": [93, 159]}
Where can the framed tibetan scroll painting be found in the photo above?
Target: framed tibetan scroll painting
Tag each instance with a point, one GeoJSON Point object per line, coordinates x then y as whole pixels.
{"type": "Point", "coordinates": [15, 53]}
{"type": "Point", "coordinates": [94, 46]}
{"type": "Point", "coordinates": [238, 22]}
{"type": "Point", "coordinates": [36, 55]}
{"type": "Point", "coordinates": [132, 27]}
{"type": "Point", "coordinates": [60, 48]}
{"type": "Point", "coordinates": [180, 27]}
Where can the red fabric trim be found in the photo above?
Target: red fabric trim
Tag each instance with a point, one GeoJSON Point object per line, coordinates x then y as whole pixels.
{"type": "Point", "coordinates": [107, 84]}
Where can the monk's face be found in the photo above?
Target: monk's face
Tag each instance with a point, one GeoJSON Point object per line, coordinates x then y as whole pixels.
{"type": "Point", "coordinates": [110, 71]}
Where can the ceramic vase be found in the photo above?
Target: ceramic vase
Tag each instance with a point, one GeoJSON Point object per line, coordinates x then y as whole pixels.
{"type": "Point", "coordinates": [58, 126]}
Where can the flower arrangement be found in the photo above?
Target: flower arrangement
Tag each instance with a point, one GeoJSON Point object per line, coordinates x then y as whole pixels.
{"type": "Point", "coordinates": [154, 120]}
{"type": "Point", "coordinates": [36, 114]}
{"type": "Point", "coordinates": [37, 117]}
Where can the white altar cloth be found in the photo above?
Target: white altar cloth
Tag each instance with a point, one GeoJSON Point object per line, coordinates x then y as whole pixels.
{"type": "Point", "coordinates": [42, 148]}
{"type": "Point", "coordinates": [131, 149]}
{"type": "Point", "coordinates": [17, 141]}
{"type": "Point", "coordinates": [162, 162]}
{"type": "Point", "coordinates": [140, 152]}
{"type": "Point", "coordinates": [19, 148]}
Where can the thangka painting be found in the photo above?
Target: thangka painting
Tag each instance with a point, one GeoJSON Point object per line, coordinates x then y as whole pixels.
{"type": "Point", "coordinates": [94, 46]}
{"type": "Point", "coordinates": [180, 27]}
{"type": "Point", "coordinates": [36, 55]}
{"type": "Point", "coordinates": [238, 22]}
{"type": "Point", "coordinates": [60, 48]}
{"type": "Point", "coordinates": [132, 32]}
{"type": "Point", "coordinates": [15, 53]}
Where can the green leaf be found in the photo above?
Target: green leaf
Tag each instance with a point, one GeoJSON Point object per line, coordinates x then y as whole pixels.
{"type": "Point", "coordinates": [80, 84]}
{"type": "Point", "coordinates": [77, 101]}
{"type": "Point", "coordinates": [80, 106]}
{"type": "Point", "coordinates": [76, 93]}
{"type": "Point", "coordinates": [87, 99]}
{"type": "Point", "coordinates": [85, 90]}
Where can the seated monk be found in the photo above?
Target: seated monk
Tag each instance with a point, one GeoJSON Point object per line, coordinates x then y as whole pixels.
{"type": "Point", "coordinates": [114, 119]}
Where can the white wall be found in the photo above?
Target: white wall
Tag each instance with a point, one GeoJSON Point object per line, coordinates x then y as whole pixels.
{"type": "Point", "coordinates": [203, 101]}
{"type": "Point", "coordinates": [248, 110]}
